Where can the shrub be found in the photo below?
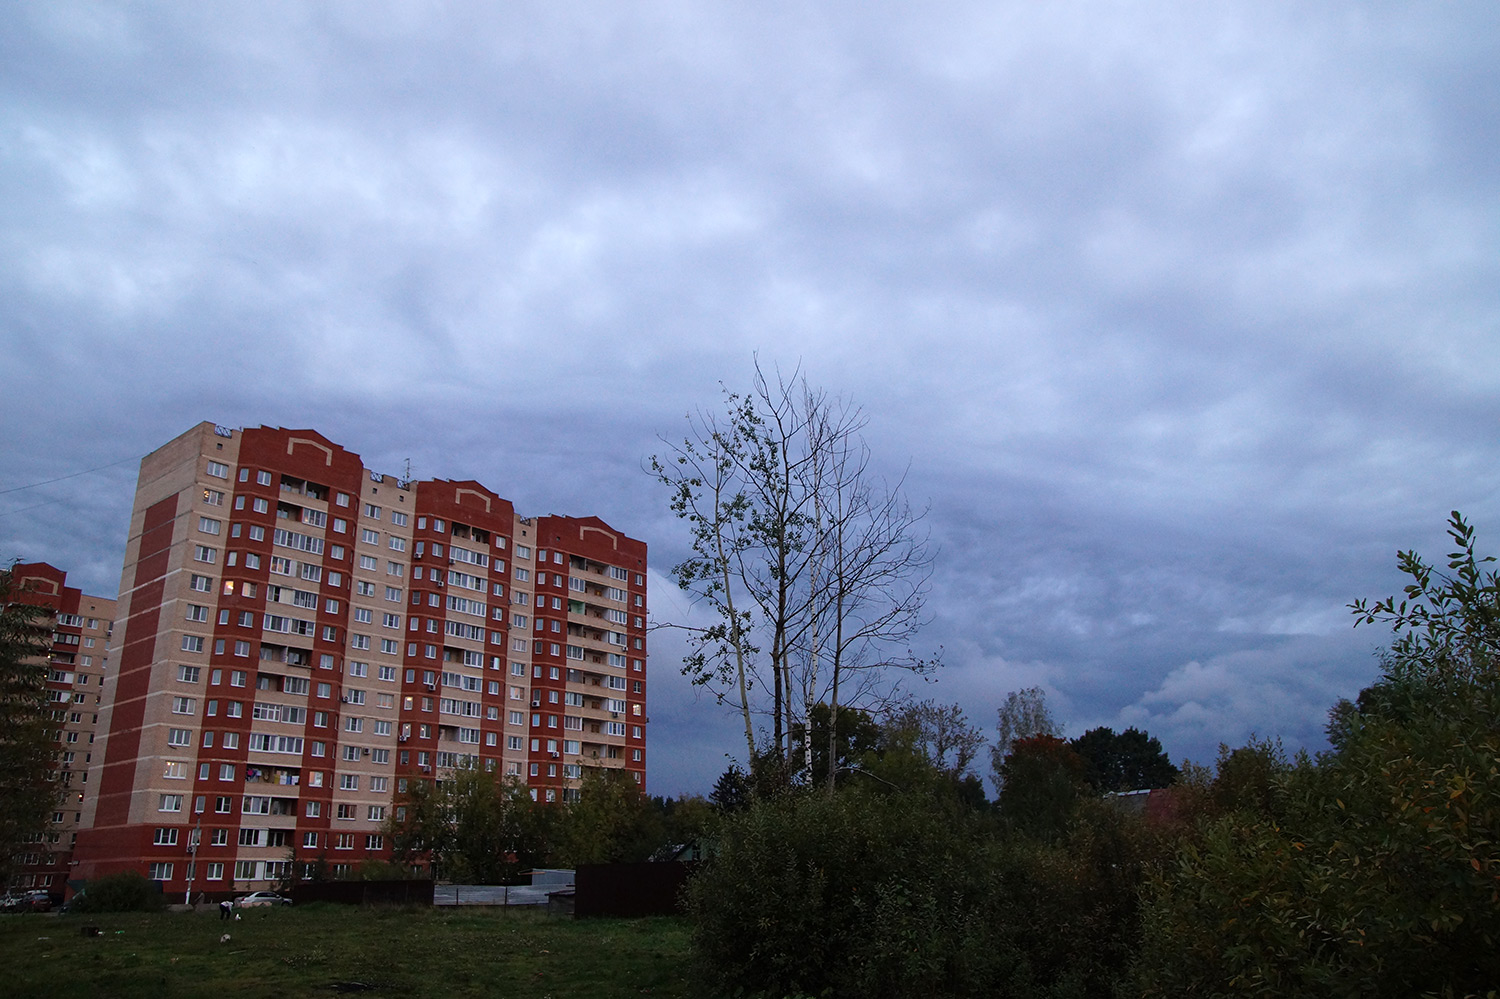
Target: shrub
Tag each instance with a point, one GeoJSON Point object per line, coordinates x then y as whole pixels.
{"type": "Point", "coordinates": [128, 891]}
{"type": "Point", "coordinates": [871, 894]}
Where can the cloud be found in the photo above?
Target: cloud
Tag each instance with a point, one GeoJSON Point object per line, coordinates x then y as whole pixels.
{"type": "Point", "coordinates": [1180, 320]}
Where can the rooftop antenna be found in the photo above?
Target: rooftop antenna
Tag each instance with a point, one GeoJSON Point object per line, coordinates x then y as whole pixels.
{"type": "Point", "coordinates": [406, 478]}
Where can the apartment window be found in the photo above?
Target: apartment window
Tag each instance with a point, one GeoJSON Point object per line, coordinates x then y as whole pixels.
{"type": "Point", "coordinates": [159, 871]}
{"type": "Point", "coordinates": [188, 674]}
{"type": "Point", "coordinates": [310, 840]}
{"type": "Point", "coordinates": [208, 525]}
{"type": "Point", "coordinates": [314, 809]}
{"type": "Point", "coordinates": [345, 812]}
{"type": "Point", "coordinates": [169, 803]}
{"type": "Point", "coordinates": [369, 537]}
{"type": "Point", "coordinates": [349, 782]}
{"type": "Point", "coordinates": [369, 562]}
{"type": "Point", "coordinates": [184, 706]}
{"type": "Point", "coordinates": [398, 518]}
{"type": "Point", "coordinates": [201, 583]}
{"type": "Point", "coordinates": [216, 871]}
{"type": "Point", "coordinates": [175, 770]}
{"type": "Point", "coordinates": [165, 837]}
{"type": "Point", "coordinates": [202, 553]}
{"type": "Point", "coordinates": [223, 804]}
{"type": "Point", "coordinates": [359, 641]}
{"type": "Point", "coordinates": [390, 620]}
{"type": "Point", "coordinates": [217, 469]}
{"type": "Point", "coordinates": [371, 511]}
{"type": "Point", "coordinates": [395, 568]}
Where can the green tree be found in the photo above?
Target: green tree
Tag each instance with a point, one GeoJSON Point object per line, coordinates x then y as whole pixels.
{"type": "Point", "coordinates": [1023, 715]}
{"type": "Point", "coordinates": [941, 733]}
{"type": "Point", "coordinates": [1373, 870]}
{"type": "Point", "coordinates": [611, 822]}
{"type": "Point", "coordinates": [1041, 783]}
{"type": "Point", "coordinates": [857, 734]}
{"type": "Point", "coordinates": [814, 571]}
{"type": "Point", "coordinates": [1447, 626]}
{"type": "Point", "coordinates": [472, 827]}
{"type": "Point", "coordinates": [1126, 761]}
{"type": "Point", "coordinates": [27, 747]}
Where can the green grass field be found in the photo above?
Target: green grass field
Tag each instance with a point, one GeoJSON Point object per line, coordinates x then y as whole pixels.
{"type": "Point", "coordinates": [325, 950]}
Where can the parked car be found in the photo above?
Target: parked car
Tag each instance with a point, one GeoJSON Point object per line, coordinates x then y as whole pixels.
{"type": "Point", "coordinates": [256, 898]}
{"type": "Point", "coordinates": [14, 903]}
{"type": "Point", "coordinates": [40, 900]}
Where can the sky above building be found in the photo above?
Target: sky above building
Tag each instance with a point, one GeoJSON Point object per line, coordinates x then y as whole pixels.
{"type": "Point", "coordinates": [1180, 319]}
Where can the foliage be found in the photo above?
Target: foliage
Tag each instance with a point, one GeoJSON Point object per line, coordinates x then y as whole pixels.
{"type": "Point", "coordinates": [128, 891]}
{"type": "Point", "coordinates": [875, 892]}
{"type": "Point", "coordinates": [941, 733]}
{"type": "Point", "coordinates": [731, 791]}
{"type": "Point", "coordinates": [1373, 870]}
{"type": "Point", "coordinates": [474, 827]}
{"type": "Point", "coordinates": [857, 734]}
{"type": "Point", "coordinates": [814, 572]}
{"type": "Point", "coordinates": [612, 822]}
{"type": "Point", "coordinates": [1042, 781]}
{"type": "Point", "coordinates": [1127, 761]}
{"type": "Point", "coordinates": [27, 749]}
{"type": "Point", "coordinates": [1024, 714]}
{"type": "Point", "coordinates": [1448, 625]}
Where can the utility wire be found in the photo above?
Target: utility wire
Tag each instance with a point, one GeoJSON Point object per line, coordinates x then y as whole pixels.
{"type": "Point", "coordinates": [60, 478]}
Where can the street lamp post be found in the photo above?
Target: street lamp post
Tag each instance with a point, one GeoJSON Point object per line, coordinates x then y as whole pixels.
{"type": "Point", "coordinates": [192, 851]}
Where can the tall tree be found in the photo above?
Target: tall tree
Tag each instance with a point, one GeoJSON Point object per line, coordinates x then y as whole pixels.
{"type": "Point", "coordinates": [611, 822]}
{"type": "Point", "coordinates": [1041, 781]}
{"type": "Point", "coordinates": [1126, 761]}
{"type": "Point", "coordinates": [813, 569]}
{"type": "Point", "coordinates": [1023, 716]}
{"type": "Point", "coordinates": [941, 733]}
{"type": "Point", "coordinates": [27, 749]}
{"type": "Point", "coordinates": [474, 827]}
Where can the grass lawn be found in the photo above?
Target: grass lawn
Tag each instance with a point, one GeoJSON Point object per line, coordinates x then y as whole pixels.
{"type": "Point", "coordinates": [320, 949]}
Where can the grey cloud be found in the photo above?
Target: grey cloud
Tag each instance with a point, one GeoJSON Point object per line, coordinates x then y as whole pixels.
{"type": "Point", "coordinates": [1183, 317]}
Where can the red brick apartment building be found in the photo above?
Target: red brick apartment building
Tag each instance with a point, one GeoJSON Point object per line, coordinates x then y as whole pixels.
{"type": "Point", "coordinates": [298, 636]}
{"type": "Point", "coordinates": [76, 667]}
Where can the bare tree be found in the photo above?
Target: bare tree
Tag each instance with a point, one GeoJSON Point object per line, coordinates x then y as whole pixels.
{"type": "Point", "coordinates": [799, 551]}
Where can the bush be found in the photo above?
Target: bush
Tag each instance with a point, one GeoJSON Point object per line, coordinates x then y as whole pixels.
{"type": "Point", "coordinates": [1373, 871]}
{"type": "Point", "coordinates": [869, 894]}
{"type": "Point", "coordinates": [127, 891]}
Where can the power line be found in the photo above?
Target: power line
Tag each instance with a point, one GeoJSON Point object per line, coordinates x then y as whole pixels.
{"type": "Point", "coordinates": [61, 478]}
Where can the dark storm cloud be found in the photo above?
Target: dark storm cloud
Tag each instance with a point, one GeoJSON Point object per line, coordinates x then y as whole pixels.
{"type": "Point", "coordinates": [1186, 319]}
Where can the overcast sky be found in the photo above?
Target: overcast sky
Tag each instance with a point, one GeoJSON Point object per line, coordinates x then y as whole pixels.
{"type": "Point", "coordinates": [1184, 317]}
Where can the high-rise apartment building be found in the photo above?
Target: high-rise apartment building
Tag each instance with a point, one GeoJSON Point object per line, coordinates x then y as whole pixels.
{"type": "Point", "coordinates": [76, 665]}
{"type": "Point", "coordinates": [299, 636]}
